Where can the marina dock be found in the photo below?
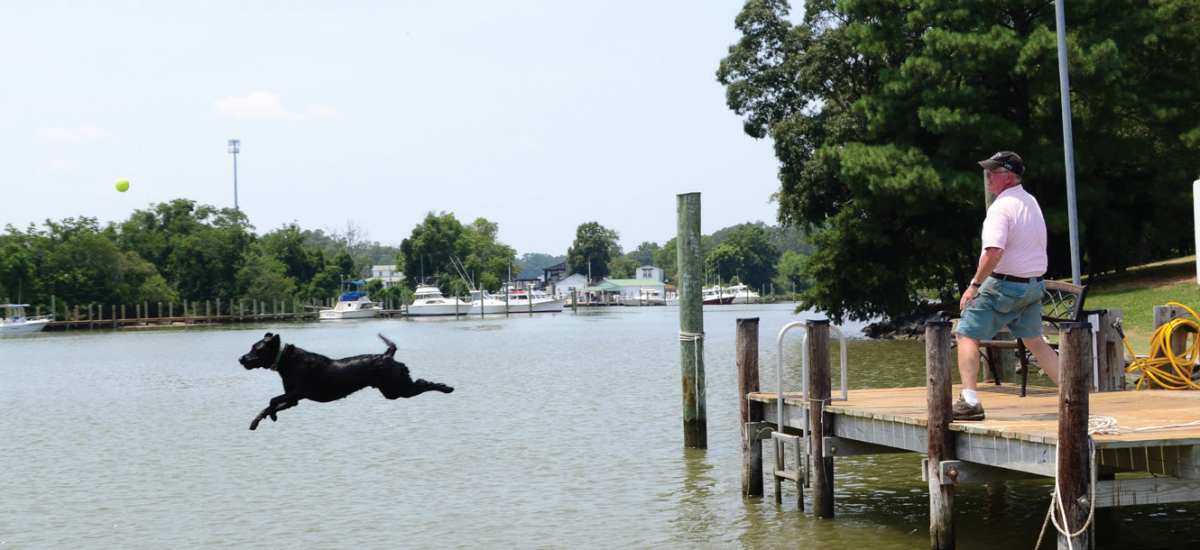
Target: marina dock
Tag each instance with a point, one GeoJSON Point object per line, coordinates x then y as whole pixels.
{"type": "Point", "coordinates": [1102, 449]}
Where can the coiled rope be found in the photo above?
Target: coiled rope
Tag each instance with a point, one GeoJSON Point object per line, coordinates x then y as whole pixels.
{"type": "Point", "coordinates": [695, 338]}
{"type": "Point", "coordinates": [1163, 366]}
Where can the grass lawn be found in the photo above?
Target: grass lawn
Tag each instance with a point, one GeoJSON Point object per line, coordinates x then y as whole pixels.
{"type": "Point", "coordinates": [1139, 289]}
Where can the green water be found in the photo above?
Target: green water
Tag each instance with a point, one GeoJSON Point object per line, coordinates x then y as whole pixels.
{"type": "Point", "coordinates": [564, 431]}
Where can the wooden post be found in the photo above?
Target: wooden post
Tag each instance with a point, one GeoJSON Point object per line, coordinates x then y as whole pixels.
{"type": "Point", "coordinates": [938, 396]}
{"type": "Point", "coordinates": [575, 300]}
{"type": "Point", "coordinates": [691, 320]}
{"type": "Point", "coordinates": [114, 315]}
{"type": "Point", "coordinates": [1074, 467]}
{"type": "Point", "coordinates": [1162, 316]}
{"type": "Point", "coordinates": [1111, 357]}
{"type": "Point", "coordinates": [747, 368]}
{"type": "Point", "coordinates": [820, 384]}
{"type": "Point", "coordinates": [91, 320]}
{"type": "Point", "coordinates": [160, 313]}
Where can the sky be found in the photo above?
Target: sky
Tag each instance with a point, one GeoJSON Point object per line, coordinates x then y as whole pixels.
{"type": "Point", "coordinates": [536, 115]}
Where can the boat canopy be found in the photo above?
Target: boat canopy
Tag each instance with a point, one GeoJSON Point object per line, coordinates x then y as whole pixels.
{"type": "Point", "coordinates": [351, 296]}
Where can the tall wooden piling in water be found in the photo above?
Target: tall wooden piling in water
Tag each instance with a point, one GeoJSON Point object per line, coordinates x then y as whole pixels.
{"type": "Point", "coordinates": [691, 321]}
{"type": "Point", "coordinates": [1074, 446]}
{"type": "Point", "coordinates": [747, 368]}
{"type": "Point", "coordinates": [938, 396]}
{"type": "Point", "coordinates": [820, 387]}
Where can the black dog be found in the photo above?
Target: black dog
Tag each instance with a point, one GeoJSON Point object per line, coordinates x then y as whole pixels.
{"type": "Point", "coordinates": [312, 376]}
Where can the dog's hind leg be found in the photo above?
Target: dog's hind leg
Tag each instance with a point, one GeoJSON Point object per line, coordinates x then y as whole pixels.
{"type": "Point", "coordinates": [391, 347]}
{"type": "Point", "coordinates": [416, 388]}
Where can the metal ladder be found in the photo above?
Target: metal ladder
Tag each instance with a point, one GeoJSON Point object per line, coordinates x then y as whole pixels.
{"type": "Point", "coordinates": [799, 443]}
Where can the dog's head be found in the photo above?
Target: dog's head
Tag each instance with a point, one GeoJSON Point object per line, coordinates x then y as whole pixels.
{"type": "Point", "coordinates": [263, 354]}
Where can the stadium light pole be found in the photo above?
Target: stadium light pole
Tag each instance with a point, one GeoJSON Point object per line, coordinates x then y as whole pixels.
{"type": "Point", "coordinates": [235, 147]}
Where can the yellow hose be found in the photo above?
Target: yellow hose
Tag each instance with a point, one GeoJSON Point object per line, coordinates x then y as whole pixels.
{"type": "Point", "coordinates": [1165, 368]}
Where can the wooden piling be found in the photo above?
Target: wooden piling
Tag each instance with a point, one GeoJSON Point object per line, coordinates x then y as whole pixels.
{"type": "Point", "coordinates": [1111, 357]}
{"type": "Point", "coordinates": [691, 320]}
{"type": "Point", "coordinates": [938, 396]}
{"type": "Point", "coordinates": [820, 384]}
{"type": "Point", "coordinates": [747, 368]}
{"type": "Point", "coordinates": [1074, 467]}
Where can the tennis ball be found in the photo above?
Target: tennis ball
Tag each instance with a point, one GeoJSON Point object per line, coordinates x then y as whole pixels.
{"type": "Point", "coordinates": [122, 185]}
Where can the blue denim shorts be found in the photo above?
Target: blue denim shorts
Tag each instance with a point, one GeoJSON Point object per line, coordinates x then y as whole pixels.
{"type": "Point", "coordinates": [1000, 304]}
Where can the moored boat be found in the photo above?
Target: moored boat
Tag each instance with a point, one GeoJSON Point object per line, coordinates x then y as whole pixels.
{"type": "Point", "coordinates": [535, 301]}
{"type": "Point", "coordinates": [428, 301]}
{"type": "Point", "coordinates": [646, 297]}
{"type": "Point", "coordinates": [484, 303]}
{"type": "Point", "coordinates": [715, 295]}
{"type": "Point", "coordinates": [742, 294]}
{"type": "Point", "coordinates": [14, 320]}
{"type": "Point", "coordinates": [352, 304]}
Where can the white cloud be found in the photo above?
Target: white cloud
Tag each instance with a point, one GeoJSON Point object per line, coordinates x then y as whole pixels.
{"type": "Point", "coordinates": [61, 166]}
{"type": "Point", "coordinates": [80, 133]}
{"type": "Point", "coordinates": [269, 106]}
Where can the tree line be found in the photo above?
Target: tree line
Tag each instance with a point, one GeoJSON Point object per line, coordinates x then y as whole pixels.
{"type": "Point", "coordinates": [879, 110]}
{"type": "Point", "coordinates": [179, 250]}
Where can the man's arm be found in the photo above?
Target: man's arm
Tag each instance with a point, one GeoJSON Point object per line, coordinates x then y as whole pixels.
{"type": "Point", "coordinates": [991, 258]}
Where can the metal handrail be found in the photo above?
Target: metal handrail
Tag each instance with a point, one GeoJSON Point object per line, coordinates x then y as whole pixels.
{"type": "Point", "coordinates": [804, 369]}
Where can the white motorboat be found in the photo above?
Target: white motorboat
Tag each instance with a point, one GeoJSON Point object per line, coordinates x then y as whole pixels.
{"type": "Point", "coordinates": [484, 303]}
{"type": "Point", "coordinates": [715, 295]}
{"type": "Point", "coordinates": [352, 304]}
{"type": "Point", "coordinates": [742, 294]}
{"type": "Point", "coordinates": [532, 301]}
{"type": "Point", "coordinates": [647, 297]}
{"type": "Point", "coordinates": [15, 321]}
{"type": "Point", "coordinates": [428, 300]}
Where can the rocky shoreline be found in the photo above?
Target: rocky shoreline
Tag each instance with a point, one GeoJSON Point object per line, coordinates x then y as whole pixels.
{"type": "Point", "coordinates": [910, 326]}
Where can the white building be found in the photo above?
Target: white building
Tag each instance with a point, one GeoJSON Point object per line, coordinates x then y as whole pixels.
{"type": "Point", "coordinates": [650, 272]}
{"type": "Point", "coordinates": [563, 287]}
{"type": "Point", "coordinates": [387, 274]}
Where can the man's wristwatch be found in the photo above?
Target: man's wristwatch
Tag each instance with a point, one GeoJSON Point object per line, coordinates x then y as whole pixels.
{"type": "Point", "coordinates": [974, 284]}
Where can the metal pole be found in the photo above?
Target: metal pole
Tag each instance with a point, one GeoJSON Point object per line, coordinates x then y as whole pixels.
{"type": "Point", "coordinates": [1064, 88]}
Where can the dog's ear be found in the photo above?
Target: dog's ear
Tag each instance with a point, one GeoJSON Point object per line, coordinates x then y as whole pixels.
{"type": "Point", "coordinates": [267, 337]}
{"type": "Point", "coordinates": [274, 339]}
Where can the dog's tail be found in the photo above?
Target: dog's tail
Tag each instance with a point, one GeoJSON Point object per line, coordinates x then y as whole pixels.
{"type": "Point", "coordinates": [391, 347]}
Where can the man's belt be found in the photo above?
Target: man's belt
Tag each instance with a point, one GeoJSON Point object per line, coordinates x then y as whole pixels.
{"type": "Point", "coordinates": [1015, 279]}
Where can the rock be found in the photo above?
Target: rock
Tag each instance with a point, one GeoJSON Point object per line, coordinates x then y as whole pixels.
{"type": "Point", "coordinates": [910, 326]}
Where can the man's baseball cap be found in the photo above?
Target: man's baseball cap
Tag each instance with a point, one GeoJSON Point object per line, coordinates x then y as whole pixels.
{"type": "Point", "coordinates": [1007, 160]}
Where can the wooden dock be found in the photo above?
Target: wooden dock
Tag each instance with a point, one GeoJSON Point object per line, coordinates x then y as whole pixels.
{"type": "Point", "coordinates": [1144, 445]}
{"type": "Point", "coordinates": [1019, 438]}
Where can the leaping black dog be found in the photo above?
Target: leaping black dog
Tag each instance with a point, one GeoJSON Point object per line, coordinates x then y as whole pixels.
{"type": "Point", "coordinates": [313, 376]}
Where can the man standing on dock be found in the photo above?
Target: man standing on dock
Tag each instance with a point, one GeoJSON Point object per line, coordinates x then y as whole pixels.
{"type": "Point", "coordinates": [1007, 288]}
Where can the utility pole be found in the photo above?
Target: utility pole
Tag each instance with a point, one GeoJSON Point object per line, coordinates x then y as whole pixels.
{"type": "Point", "coordinates": [235, 147]}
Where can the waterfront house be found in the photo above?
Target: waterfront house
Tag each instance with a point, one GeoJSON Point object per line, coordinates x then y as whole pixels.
{"type": "Point", "coordinates": [386, 274]}
{"type": "Point", "coordinates": [650, 272]}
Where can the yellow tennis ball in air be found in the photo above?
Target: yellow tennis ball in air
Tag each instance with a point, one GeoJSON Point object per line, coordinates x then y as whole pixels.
{"type": "Point", "coordinates": [122, 185]}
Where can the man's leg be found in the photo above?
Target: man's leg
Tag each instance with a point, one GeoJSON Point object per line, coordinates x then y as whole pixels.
{"type": "Point", "coordinates": [1046, 356]}
{"type": "Point", "coordinates": [968, 361]}
{"type": "Point", "coordinates": [968, 407]}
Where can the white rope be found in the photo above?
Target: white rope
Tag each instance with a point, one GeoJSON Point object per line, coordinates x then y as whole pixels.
{"type": "Point", "coordinates": [695, 338]}
{"type": "Point", "coordinates": [1057, 504]}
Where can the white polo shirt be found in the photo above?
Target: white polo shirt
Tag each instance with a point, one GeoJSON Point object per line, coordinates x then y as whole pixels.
{"type": "Point", "coordinates": [1014, 223]}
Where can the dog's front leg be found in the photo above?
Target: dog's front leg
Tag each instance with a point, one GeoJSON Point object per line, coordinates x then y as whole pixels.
{"type": "Point", "coordinates": [277, 404]}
